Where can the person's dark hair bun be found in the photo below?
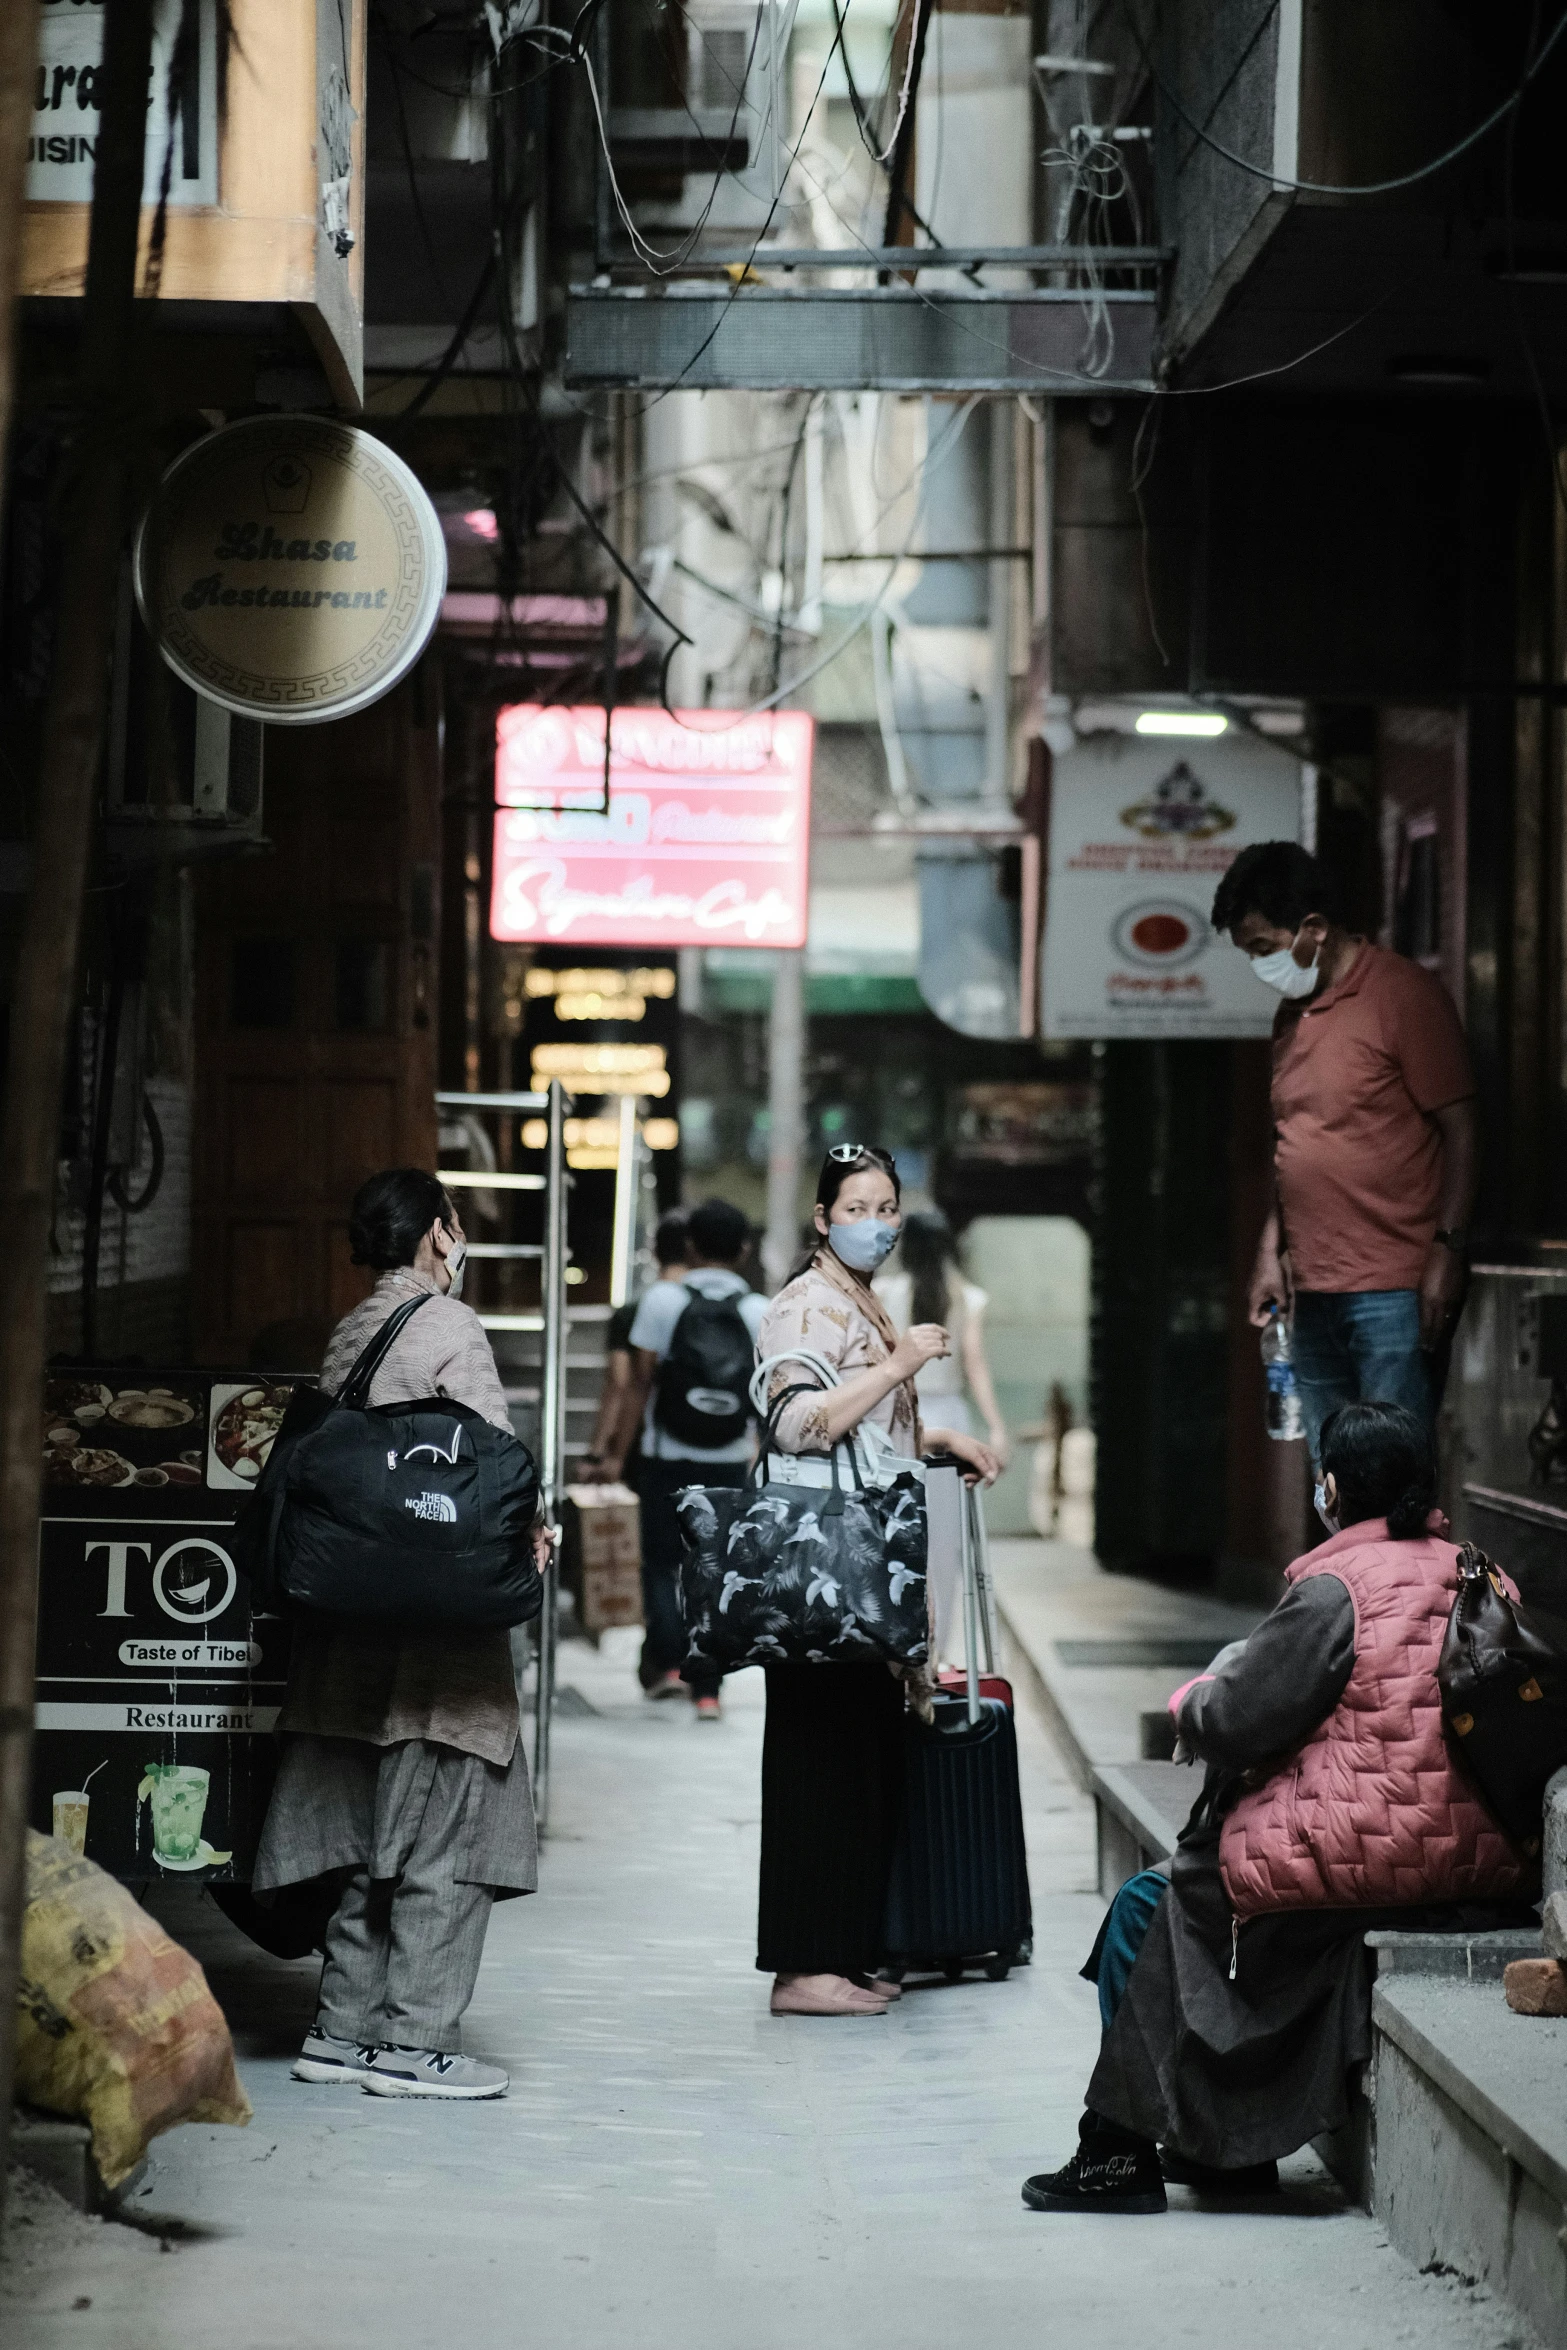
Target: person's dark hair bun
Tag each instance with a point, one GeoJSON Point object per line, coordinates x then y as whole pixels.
{"type": "Point", "coordinates": [1384, 1464]}
{"type": "Point", "coordinates": [1406, 1520]}
{"type": "Point", "coordinates": [391, 1213]}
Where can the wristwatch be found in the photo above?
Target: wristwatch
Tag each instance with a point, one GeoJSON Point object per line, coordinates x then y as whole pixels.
{"type": "Point", "coordinates": [1457, 1241]}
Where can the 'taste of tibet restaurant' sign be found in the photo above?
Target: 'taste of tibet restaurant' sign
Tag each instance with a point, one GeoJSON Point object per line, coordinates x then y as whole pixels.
{"type": "Point", "coordinates": [1140, 834]}
{"type": "Point", "coordinates": [290, 568]}
{"type": "Point", "coordinates": [706, 841]}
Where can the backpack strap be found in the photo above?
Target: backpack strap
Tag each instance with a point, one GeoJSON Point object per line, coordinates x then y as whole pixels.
{"type": "Point", "coordinates": [356, 1387]}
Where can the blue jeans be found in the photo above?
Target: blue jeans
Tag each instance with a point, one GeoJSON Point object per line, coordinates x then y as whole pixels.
{"type": "Point", "coordinates": [1121, 1937]}
{"type": "Point", "coordinates": [1359, 1346]}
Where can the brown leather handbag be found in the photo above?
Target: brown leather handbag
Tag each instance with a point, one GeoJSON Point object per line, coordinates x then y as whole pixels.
{"type": "Point", "coordinates": [1504, 1699]}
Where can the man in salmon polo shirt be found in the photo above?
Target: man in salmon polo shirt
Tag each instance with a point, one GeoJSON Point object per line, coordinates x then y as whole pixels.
{"type": "Point", "coordinates": [1375, 1143]}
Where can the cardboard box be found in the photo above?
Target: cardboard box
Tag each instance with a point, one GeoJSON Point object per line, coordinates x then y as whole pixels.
{"type": "Point", "coordinates": [601, 1562]}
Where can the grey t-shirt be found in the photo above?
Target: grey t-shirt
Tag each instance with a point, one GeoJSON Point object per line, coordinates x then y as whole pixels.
{"type": "Point", "coordinates": [660, 1309]}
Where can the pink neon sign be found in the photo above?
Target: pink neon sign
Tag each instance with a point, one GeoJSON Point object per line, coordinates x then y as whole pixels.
{"type": "Point", "coordinates": [706, 843]}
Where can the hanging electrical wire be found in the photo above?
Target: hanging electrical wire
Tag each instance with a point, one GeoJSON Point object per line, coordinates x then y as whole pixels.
{"type": "Point", "coordinates": [652, 255]}
{"type": "Point", "coordinates": [1387, 187]}
{"type": "Point", "coordinates": [927, 470]}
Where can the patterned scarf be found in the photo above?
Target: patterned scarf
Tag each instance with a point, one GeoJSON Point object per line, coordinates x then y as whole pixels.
{"type": "Point", "coordinates": [860, 1293]}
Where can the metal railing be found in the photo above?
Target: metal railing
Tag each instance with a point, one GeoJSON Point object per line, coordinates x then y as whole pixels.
{"type": "Point", "coordinates": [552, 1437]}
{"type": "Point", "coordinates": [552, 1255]}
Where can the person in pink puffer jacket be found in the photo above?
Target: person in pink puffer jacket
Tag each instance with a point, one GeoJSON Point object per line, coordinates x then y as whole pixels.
{"type": "Point", "coordinates": [1234, 1984]}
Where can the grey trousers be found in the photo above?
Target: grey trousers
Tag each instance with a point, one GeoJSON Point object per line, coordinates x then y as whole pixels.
{"type": "Point", "coordinates": [403, 1949]}
{"type": "Point", "coordinates": [402, 1957]}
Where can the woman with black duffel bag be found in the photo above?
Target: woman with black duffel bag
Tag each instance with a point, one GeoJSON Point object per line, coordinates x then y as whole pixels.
{"type": "Point", "coordinates": [402, 1777]}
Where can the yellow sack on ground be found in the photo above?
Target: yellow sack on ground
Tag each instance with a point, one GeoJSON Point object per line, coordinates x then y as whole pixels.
{"type": "Point", "coordinates": [115, 2024]}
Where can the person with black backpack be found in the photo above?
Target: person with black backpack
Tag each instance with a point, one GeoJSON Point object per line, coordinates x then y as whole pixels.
{"type": "Point", "coordinates": [693, 1348]}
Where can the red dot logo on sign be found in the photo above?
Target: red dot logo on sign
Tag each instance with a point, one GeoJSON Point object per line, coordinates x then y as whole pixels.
{"type": "Point", "coordinates": [1160, 934]}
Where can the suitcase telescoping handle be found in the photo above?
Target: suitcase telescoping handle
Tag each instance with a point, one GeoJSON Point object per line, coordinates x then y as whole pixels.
{"type": "Point", "coordinates": [972, 1554]}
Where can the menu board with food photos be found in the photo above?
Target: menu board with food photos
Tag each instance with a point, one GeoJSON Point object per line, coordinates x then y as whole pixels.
{"type": "Point", "coordinates": [158, 1688]}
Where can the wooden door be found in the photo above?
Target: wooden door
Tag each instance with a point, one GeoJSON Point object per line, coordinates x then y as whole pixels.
{"type": "Point", "coordinates": [316, 1024]}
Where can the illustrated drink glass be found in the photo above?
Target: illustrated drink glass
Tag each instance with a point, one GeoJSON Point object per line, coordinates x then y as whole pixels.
{"type": "Point", "coordinates": [70, 1817]}
{"type": "Point", "coordinates": [179, 1801]}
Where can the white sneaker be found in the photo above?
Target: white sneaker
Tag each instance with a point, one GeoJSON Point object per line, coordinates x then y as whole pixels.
{"type": "Point", "coordinates": [431, 2072]}
{"type": "Point", "coordinates": [325, 2058]}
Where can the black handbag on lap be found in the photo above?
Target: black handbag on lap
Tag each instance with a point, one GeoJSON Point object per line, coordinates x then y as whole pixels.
{"type": "Point", "coordinates": [780, 1572]}
{"type": "Point", "coordinates": [1504, 1699]}
{"type": "Point", "coordinates": [405, 1512]}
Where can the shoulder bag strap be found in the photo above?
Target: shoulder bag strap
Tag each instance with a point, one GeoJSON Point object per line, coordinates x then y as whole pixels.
{"type": "Point", "coordinates": [845, 1445]}
{"type": "Point", "coordinates": [770, 1426]}
{"type": "Point", "coordinates": [827, 1374]}
{"type": "Point", "coordinates": [356, 1387]}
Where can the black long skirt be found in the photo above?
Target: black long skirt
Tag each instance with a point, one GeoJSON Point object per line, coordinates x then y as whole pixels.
{"type": "Point", "coordinates": [832, 1797]}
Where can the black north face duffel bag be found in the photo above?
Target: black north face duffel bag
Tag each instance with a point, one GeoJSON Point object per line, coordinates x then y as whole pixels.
{"type": "Point", "coordinates": [406, 1512]}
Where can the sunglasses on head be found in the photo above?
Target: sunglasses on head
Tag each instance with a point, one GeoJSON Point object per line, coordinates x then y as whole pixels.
{"type": "Point", "coordinates": [844, 1154]}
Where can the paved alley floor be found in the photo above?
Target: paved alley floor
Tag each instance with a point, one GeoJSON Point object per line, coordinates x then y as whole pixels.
{"type": "Point", "coordinates": [675, 2168]}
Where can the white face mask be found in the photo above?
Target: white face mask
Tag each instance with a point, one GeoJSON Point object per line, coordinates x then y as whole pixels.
{"type": "Point", "coordinates": [1281, 971]}
{"type": "Point", "coordinates": [456, 1259]}
{"type": "Point", "coordinates": [1320, 1504]}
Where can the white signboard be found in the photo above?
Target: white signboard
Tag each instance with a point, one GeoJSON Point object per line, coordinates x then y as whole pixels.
{"type": "Point", "coordinates": [66, 106]}
{"type": "Point", "coordinates": [1141, 830]}
{"type": "Point", "coordinates": [290, 568]}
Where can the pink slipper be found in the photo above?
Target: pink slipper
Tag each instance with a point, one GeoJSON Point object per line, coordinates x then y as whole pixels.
{"type": "Point", "coordinates": [811, 1995]}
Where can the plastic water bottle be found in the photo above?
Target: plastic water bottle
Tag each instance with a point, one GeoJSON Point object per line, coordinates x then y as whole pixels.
{"type": "Point", "coordinates": [1286, 1421]}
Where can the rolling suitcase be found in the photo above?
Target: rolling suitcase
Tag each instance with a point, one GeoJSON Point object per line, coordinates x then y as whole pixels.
{"type": "Point", "coordinates": [959, 1894]}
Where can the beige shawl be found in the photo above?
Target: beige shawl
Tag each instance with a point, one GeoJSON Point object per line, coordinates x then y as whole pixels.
{"type": "Point", "coordinates": [828, 1311]}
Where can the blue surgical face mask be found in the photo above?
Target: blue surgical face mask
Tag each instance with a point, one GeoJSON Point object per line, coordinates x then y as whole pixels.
{"type": "Point", "coordinates": [1281, 972]}
{"type": "Point", "coordinates": [862, 1246]}
{"type": "Point", "coordinates": [1319, 1501]}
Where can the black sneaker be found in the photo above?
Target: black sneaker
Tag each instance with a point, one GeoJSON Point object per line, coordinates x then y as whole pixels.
{"type": "Point", "coordinates": [1111, 2171]}
{"type": "Point", "coordinates": [1257, 2178]}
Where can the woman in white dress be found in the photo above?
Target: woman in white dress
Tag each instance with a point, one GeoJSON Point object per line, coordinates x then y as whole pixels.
{"type": "Point", "coordinates": [929, 1287]}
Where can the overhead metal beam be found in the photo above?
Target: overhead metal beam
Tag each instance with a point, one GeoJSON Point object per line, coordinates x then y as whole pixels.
{"type": "Point", "coordinates": [905, 258]}
{"type": "Point", "coordinates": [879, 338]}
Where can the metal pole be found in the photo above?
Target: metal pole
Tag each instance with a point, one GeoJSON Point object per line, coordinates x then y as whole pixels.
{"type": "Point", "coordinates": [987, 1589]}
{"type": "Point", "coordinates": [603, 194]}
{"type": "Point", "coordinates": [628, 1169]}
{"type": "Point", "coordinates": [785, 1090]}
{"type": "Point", "coordinates": [552, 1436]}
{"type": "Point", "coordinates": [970, 1598]}
{"type": "Point", "coordinates": [998, 697]}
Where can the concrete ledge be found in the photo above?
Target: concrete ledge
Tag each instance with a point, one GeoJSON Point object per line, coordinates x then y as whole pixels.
{"type": "Point", "coordinates": [1139, 1811]}
{"type": "Point", "coordinates": [1504, 2071]}
{"type": "Point", "coordinates": [1456, 1958]}
{"type": "Point", "coordinates": [1049, 1593]}
{"type": "Point", "coordinates": [1471, 2140]}
{"type": "Point", "coordinates": [59, 2152]}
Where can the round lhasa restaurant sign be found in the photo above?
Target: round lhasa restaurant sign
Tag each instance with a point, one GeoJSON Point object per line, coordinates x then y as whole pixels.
{"type": "Point", "coordinates": [290, 568]}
